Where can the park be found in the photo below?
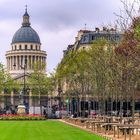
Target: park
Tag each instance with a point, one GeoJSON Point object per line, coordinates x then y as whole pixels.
{"type": "Point", "coordinates": [88, 89]}
{"type": "Point", "coordinates": [42, 130]}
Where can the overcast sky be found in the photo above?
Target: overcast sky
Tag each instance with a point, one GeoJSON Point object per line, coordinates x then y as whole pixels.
{"type": "Point", "coordinates": [56, 21]}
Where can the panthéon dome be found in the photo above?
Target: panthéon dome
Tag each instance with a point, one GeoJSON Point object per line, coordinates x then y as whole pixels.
{"type": "Point", "coordinates": [26, 33]}
{"type": "Point", "coordinates": [25, 51]}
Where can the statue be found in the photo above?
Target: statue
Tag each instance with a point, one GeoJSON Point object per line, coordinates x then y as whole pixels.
{"type": "Point", "coordinates": [21, 106]}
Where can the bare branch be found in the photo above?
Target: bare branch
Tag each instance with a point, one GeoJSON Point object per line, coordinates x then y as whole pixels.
{"type": "Point", "coordinates": [130, 10]}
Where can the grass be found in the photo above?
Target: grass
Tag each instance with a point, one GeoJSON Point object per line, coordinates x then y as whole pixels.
{"type": "Point", "coordinates": [42, 130]}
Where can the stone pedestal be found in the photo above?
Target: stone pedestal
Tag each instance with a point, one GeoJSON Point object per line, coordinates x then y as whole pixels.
{"type": "Point", "coordinates": [21, 109]}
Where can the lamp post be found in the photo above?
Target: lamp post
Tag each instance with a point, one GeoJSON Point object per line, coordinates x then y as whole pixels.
{"type": "Point", "coordinates": [21, 106]}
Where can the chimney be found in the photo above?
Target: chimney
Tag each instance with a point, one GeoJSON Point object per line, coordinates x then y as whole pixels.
{"type": "Point", "coordinates": [112, 30]}
{"type": "Point", "coordinates": [97, 29]}
{"type": "Point", "coordinates": [104, 29]}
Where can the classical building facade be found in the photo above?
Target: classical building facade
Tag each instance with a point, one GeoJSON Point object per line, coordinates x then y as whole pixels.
{"type": "Point", "coordinates": [21, 59]}
{"type": "Point", "coordinates": [84, 38]}
{"type": "Point", "coordinates": [25, 49]}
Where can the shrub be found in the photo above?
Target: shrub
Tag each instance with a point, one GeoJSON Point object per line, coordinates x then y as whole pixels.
{"type": "Point", "coordinates": [22, 117]}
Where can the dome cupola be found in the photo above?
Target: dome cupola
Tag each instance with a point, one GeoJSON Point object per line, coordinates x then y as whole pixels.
{"type": "Point", "coordinates": [26, 34]}
{"type": "Point", "coordinates": [25, 50]}
{"type": "Point", "coordinates": [26, 17]}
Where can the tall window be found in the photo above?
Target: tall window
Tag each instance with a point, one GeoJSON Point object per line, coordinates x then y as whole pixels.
{"type": "Point", "coordinates": [93, 37]}
{"type": "Point", "coordinates": [31, 47]}
{"type": "Point", "coordinates": [15, 47]}
{"type": "Point", "coordinates": [25, 47]}
{"type": "Point", "coordinates": [36, 47]}
{"type": "Point", "coordinates": [19, 47]}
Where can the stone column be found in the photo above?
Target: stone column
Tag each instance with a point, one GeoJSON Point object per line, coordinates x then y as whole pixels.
{"type": "Point", "coordinates": [16, 61]}
{"type": "Point", "coordinates": [35, 59]}
{"type": "Point", "coordinates": [11, 62]}
{"type": "Point", "coordinates": [22, 59]}
{"type": "Point", "coordinates": [27, 64]}
{"type": "Point", "coordinates": [19, 62]}
{"type": "Point", "coordinates": [30, 62]}
{"type": "Point", "coordinates": [41, 62]}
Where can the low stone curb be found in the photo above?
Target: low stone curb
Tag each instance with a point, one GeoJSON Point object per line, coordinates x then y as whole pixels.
{"type": "Point", "coordinates": [101, 135]}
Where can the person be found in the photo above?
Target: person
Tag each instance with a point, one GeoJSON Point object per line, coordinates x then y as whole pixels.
{"type": "Point", "coordinates": [72, 116]}
{"type": "Point", "coordinates": [45, 113]}
{"type": "Point", "coordinates": [75, 115]}
{"type": "Point", "coordinates": [86, 114]}
{"type": "Point", "coordinates": [8, 111]}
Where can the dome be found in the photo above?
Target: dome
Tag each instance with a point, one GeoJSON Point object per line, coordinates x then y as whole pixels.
{"type": "Point", "coordinates": [26, 34]}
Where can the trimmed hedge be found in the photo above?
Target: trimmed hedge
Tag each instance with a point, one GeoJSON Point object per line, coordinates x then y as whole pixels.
{"type": "Point", "coordinates": [22, 117]}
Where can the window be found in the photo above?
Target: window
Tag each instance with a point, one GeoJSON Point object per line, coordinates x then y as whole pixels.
{"type": "Point", "coordinates": [85, 38]}
{"type": "Point", "coordinates": [25, 47]}
{"type": "Point", "coordinates": [36, 47]}
{"type": "Point", "coordinates": [93, 37]}
{"type": "Point", "coordinates": [31, 47]}
{"type": "Point", "coordinates": [15, 47]}
{"type": "Point", "coordinates": [19, 47]}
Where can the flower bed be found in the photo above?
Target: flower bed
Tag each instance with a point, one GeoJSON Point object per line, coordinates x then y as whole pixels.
{"type": "Point", "coordinates": [22, 117]}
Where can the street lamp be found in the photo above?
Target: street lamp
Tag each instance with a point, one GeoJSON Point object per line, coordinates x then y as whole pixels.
{"type": "Point", "coordinates": [21, 106]}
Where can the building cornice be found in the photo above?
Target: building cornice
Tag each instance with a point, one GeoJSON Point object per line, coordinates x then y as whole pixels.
{"type": "Point", "coordinates": [23, 52]}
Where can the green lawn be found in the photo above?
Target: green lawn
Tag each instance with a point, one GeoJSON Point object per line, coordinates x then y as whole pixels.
{"type": "Point", "coordinates": [42, 130]}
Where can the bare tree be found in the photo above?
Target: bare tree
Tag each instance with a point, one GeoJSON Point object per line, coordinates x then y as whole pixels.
{"type": "Point", "coordinates": [130, 10]}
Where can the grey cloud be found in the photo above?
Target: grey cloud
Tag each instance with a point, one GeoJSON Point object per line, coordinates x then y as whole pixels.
{"type": "Point", "coordinates": [50, 17]}
{"type": "Point", "coordinates": [58, 14]}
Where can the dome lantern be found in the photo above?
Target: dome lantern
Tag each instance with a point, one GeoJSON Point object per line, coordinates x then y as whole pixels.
{"type": "Point", "coordinates": [26, 34]}
{"type": "Point", "coordinates": [26, 17]}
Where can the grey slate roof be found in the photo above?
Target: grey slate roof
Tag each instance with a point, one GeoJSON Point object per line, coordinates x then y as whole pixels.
{"type": "Point", "coordinates": [89, 37]}
{"type": "Point", "coordinates": [26, 34]}
{"type": "Point", "coordinates": [26, 14]}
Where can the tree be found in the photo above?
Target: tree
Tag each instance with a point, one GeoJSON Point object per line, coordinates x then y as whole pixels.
{"type": "Point", "coordinates": [129, 52]}
{"type": "Point", "coordinates": [39, 83]}
{"type": "Point", "coordinates": [6, 82]}
{"type": "Point", "coordinates": [74, 73]}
